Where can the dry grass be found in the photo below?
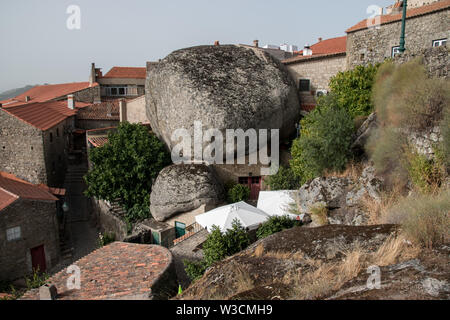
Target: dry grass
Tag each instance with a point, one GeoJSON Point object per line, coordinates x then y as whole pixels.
{"type": "Point", "coordinates": [377, 210]}
{"type": "Point", "coordinates": [298, 256]}
{"type": "Point", "coordinates": [242, 281]}
{"type": "Point", "coordinates": [259, 251]}
{"type": "Point", "coordinates": [353, 171]}
{"type": "Point", "coordinates": [319, 215]}
{"type": "Point", "coordinates": [327, 278]}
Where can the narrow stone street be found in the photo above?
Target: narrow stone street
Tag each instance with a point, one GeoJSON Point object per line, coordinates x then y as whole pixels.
{"type": "Point", "coordinates": [81, 236]}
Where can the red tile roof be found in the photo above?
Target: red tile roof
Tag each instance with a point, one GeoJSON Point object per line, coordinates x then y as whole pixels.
{"type": "Point", "coordinates": [415, 12]}
{"type": "Point", "coordinates": [13, 188]}
{"type": "Point", "coordinates": [126, 73]}
{"type": "Point", "coordinates": [43, 115]}
{"type": "Point", "coordinates": [98, 142]}
{"type": "Point", "coordinates": [106, 110]}
{"type": "Point", "coordinates": [116, 271]}
{"type": "Point", "coordinates": [46, 92]}
{"type": "Point", "coordinates": [324, 48]}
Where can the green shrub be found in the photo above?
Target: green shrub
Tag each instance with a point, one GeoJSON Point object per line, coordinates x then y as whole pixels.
{"type": "Point", "coordinates": [195, 269]}
{"type": "Point", "coordinates": [424, 217]}
{"type": "Point", "coordinates": [105, 239]}
{"type": "Point", "coordinates": [353, 89]}
{"type": "Point", "coordinates": [285, 179]}
{"type": "Point", "coordinates": [407, 100]}
{"type": "Point", "coordinates": [36, 280]}
{"type": "Point", "coordinates": [238, 193]}
{"type": "Point", "coordinates": [276, 224]}
{"type": "Point", "coordinates": [426, 174]}
{"type": "Point", "coordinates": [218, 246]}
{"type": "Point", "coordinates": [325, 141]}
{"type": "Point", "coordinates": [445, 144]}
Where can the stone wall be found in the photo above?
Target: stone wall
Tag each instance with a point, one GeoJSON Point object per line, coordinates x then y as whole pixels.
{"type": "Point", "coordinates": [136, 112]}
{"type": "Point", "coordinates": [375, 45]}
{"type": "Point", "coordinates": [96, 124]}
{"type": "Point", "coordinates": [38, 223]}
{"type": "Point", "coordinates": [435, 60]}
{"type": "Point", "coordinates": [56, 142]}
{"type": "Point", "coordinates": [88, 95]}
{"type": "Point", "coordinates": [318, 71]}
{"type": "Point", "coordinates": [107, 221]}
{"type": "Point", "coordinates": [22, 149]}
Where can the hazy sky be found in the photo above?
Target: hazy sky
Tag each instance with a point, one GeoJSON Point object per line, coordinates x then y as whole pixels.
{"type": "Point", "coordinates": [37, 47]}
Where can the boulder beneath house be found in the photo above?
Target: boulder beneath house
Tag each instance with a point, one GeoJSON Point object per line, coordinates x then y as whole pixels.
{"type": "Point", "coordinates": [182, 188]}
{"type": "Point", "coordinates": [363, 133]}
{"type": "Point", "coordinates": [223, 87]}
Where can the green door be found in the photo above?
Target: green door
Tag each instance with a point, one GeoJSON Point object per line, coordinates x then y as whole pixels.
{"type": "Point", "coordinates": [180, 229]}
{"type": "Point", "coordinates": [155, 238]}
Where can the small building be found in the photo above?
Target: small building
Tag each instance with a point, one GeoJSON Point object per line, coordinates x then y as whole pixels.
{"type": "Point", "coordinates": [35, 139]}
{"type": "Point", "coordinates": [313, 68]}
{"type": "Point", "coordinates": [426, 26]}
{"type": "Point", "coordinates": [118, 271]}
{"type": "Point", "coordinates": [29, 238]}
{"type": "Point", "coordinates": [119, 82]}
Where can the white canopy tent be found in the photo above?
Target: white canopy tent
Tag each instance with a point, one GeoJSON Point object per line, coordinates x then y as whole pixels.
{"type": "Point", "coordinates": [277, 203]}
{"type": "Point", "coordinates": [223, 217]}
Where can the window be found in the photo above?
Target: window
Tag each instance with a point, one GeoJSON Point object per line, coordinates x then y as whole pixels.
{"type": "Point", "coordinates": [13, 234]}
{"type": "Point", "coordinates": [51, 137]}
{"type": "Point", "coordinates": [395, 51]}
{"type": "Point", "coordinates": [113, 92]}
{"type": "Point", "coordinates": [243, 180]}
{"type": "Point", "coordinates": [304, 85]}
{"type": "Point", "coordinates": [57, 132]}
{"type": "Point", "coordinates": [439, 43]}
{"type": "Point", "coordinates": [121, 91]}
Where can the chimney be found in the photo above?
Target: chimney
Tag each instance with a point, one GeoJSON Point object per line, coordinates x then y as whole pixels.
{"type": "Point", "coordinates": [70, 102]}
{"type": "Point", "coordinates": [256, 43]}
{"type": "Point", "coordinates": [320, 39]}
{"type": "Point", "coordinates": [216, 43]}
{"type": "Point", "coordinates": [307, 50]}
{"type": "Point", "coordinates": [27, 98]}
{"type": "Point", "coordinates": [48, 292]}
{"type": "Point", "coordinates": [92, 76]}
{"type": "Point", "coordinates": [123, 110]}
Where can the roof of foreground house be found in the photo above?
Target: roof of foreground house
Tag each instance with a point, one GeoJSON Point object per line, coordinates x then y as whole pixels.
{"type": "Point", "coordinates": [116, 271]}
{"type": "Point", "coordinates": [126, 73]}
{"type": "Point", "coordinates": [13, 188]}
{"type": "Point", "coordinates": [411, 13]}
{"type": "Point", "coordinates": [44, 115]}
{"type": "Point", "coordinates": [46, 92]}
{"type": "Point", "coordinates": [106, 110]}
{"type": "Point", "coordinates": [324, 48]}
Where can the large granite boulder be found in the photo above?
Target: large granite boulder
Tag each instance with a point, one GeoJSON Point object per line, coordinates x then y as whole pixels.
{"type": "Point", "coordinates": [182, 188]}
{"type": "Point", "coordinates": [224, 87]}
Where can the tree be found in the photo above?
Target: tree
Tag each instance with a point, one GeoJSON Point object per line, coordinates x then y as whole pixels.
{"type": "Point", "coordinates": [325, 140]}
{"type": "Point", "coordinates": [238, 193]}
{"type": "Point", "coordinates": [285, 179]}
{"type": "Point", "coordinates": [353, 89]}
{"type": "Point", "coordinates": [124, 169]}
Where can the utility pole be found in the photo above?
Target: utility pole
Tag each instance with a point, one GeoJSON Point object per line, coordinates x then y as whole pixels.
{"type": "Point", "coordinates": [402, 37]}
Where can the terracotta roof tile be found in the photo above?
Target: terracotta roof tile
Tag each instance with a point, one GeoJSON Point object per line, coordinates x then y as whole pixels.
{"type": "Point", "coordinates": [46, 92]}
{"type": "Point", "coordinates": [118, 270]}
{"type": "Point", "coordinates": [126, 72]}
{"type": "Point", "coordinates": [106, 110]}
{"type": "Point", "coordinates": [43, 115]}
{"type": "Point", "coordinates": [13, 188]}
{"type": "Point", "coordinates": [98, 141]}
{"type": "Point", "coordinates": [324, 48]}
{"type": "Point", "coordinates": [389, 18]}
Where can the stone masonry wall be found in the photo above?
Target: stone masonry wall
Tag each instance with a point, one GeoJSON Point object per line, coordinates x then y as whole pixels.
{"type": "Point", "coordinates": [375, 45]}
{"type": "Point", "coordinates": [319, 72]}
{"type": "Point", "coordinates": [435, 60]}
{"type": "Point", "coordinates": [38, 223]}
{"type": "Point", "coordinates": [21, 149]}
{"type": "Point", "coordinates": [107, 221]}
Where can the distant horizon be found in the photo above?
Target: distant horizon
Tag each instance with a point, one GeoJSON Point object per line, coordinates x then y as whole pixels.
{"type": "Point", "coordinates": [38, 47]}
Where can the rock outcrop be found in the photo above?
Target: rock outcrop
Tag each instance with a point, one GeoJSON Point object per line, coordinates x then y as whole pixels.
{"type": "Point", "coordinates": [181, 188]}
{"type": "Point", "coordinates": [341, 196]}
{"type": "Point", "coordinates": [223, 87]}
{"type": "Point", "coordinates": [362, 135]}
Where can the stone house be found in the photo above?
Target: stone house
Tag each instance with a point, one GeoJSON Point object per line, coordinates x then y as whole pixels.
{"type": "Point", "coordinates": [314, 66]}
{"type": "Point", "coordinates": [119, 82]}
{"type": "Point", "coordinates": [28, 228]}
{"type": "Point", "coordinates": [36, 139]}
{"type": "Point", "coordinates": [426, 26]}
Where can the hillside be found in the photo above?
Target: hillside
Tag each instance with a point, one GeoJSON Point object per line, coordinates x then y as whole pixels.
{"type": "Point", "coordinates": [15, 92]}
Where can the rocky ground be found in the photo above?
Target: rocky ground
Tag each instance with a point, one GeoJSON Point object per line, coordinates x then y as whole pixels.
{"type": "Point", "coordinates": [328, 262]}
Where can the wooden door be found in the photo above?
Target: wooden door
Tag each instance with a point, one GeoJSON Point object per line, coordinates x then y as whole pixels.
{"type": "Point", "coordinates": [38, 259]}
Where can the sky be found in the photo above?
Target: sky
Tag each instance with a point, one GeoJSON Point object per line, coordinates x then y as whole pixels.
{"type": "Point", "coordinates": [37, 47]}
